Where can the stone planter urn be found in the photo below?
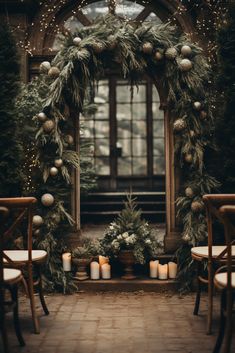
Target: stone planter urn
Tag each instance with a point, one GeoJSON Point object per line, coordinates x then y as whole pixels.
{"type": "Point", "coordinates": [81, 263]}
{"type": "Point", "coordinates": [126, 257]}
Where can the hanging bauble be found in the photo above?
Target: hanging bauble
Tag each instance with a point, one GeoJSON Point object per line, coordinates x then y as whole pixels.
{"type": "Point", "coordinates": [203, 114]}
{"type": "Point", "coordinates": [197, 206]}
{"type": "Point", "coordinates": [37, 220]}
{"type": "Point", "coordinates": [36, 232]}
{"type": "Point", "coordinates": [47, 200]}
{"type": "Point", "coordinates": [147, 48]}
{"type": "Point", "coordinates": [189, 192]}
{"type": "Point", "coordinates": [48, 126]}
{"type": "Point", "coordinates": [45, 67]}
{"type": "Point", "coordinates": [188, 158]}
{"type": "Point", "coordinates": [54, 72]}
{"type": "Point", "coordinates": [53, 171]}
{"type": "Point", "coordinates": [112, 42]}
{"type": "Point", "coordinates": [58, 162]}
{"type": "Point", "coordinates": [186, 237]}
{"type": "Point", "coordinates": [186, 50]}
{"type": "Point", "coordinates": [69, 139]}
{"type": "Point", "coordinates": [158, 56]}
{"type": "Point", "coordinates": [98, 47]}
{"type": "Point", "coordinates": [197, 105]}
{"type": "Point", "coordinates": [185, 65]}
{"type": "Point", "coordinates": [42, 117]}
{"type": "Point", "coordinates": [77, 41]}
{"type": "Point", "coordinates": [171, 53]}
{"type": "Point", "coordinates": [179, 125]}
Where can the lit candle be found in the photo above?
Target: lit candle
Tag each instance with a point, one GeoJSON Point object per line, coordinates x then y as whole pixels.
{"type": "Point", "coordinates": [162, 271]}
{"type": "Point", "coordinates": [172, 269]}
{"type": "Point", "coordinates": [103, 260]}
{"type": "Point", "coordinates": [95, 270]}
{"type": "Point", "coordinates": [153, 267]}
{"type": "Point", "coordinates": [66, 259]}
{"type": "Point", "coordinates": [106, 271]}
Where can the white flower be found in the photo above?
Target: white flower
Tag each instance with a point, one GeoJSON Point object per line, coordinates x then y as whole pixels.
{"type": "Point", "coordinates": [125, 235]}
{"type": "Point", "coordinates": [111, 227]}
{"type": "Point", "coordinates": [115, 244]}
{"type": "Point", "coordinates": [119, 237]}
{"type": "Point", "coordinates": [147, 241]}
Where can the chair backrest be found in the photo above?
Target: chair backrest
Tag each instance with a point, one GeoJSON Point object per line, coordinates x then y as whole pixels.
{"type": "Point", "coordinates": [22, 207]}
{"type": "Point", "coordinates": [213, 202]}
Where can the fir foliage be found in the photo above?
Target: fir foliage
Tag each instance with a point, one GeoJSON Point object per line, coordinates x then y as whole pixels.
{"type": "Point", "coordinates": [10, 162]}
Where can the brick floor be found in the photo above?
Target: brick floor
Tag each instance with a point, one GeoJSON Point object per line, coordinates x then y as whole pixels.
{"type": "Point", "coordinates": [138, 322]}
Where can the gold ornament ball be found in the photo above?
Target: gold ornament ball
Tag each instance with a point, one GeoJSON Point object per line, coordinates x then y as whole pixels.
{"type": "Point", "coordinates": [158, 56]}
{"type": "Point", "coordinates": [188, 158]}
{"type": "Point", "coordinates": [42, 117]}
{"type": "Point", "coordinates": [185, 65]}
{"type": "Point", "coordinates": [54, 171]}
{"type": "Point", "coordinates": [197, 105]}
{"type": "Point", "coordinates": [189, 192]}
{"type": "Point", "coordinates": [196, 206]}
{"type": "Point", "coordinates": [47, 200]}
{"type": "Point", "coordinates": [186, 50]}
{"type": "Point", "coordinates": [203, 114]}
{"type": "Point", "coordinates": [58, 162]}
{"type": "Point", "coordinates": [179, 125]}
{"type": "Point", "coordinates": [77, 41]}
{"type": "Point", "coordinates": [186, 237]}
{"type": "Point", "coordinates": [44, 67]}
{"type": "Point", "coordinates": [37, 220]}
{"type": "Point", "coordinates": [54, 72]}
{"type": "Point", "coordinates": [48, 126]}
{"type": "Point", "coordinates": [69, 139]}
{"type": "Point", "coordinates": [171, 53]}
{"type": "Point", "coordinates": [98, 47]}
{"type": "Point", "coordinates": [147, 48]}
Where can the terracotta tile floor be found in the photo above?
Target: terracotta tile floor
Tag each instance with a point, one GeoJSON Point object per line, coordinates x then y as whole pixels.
{"type": "Point", "coordinates": [117, 323]}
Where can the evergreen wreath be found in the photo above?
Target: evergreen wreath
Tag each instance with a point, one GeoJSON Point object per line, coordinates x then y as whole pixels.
{"type": "Point", "coordinates": [134, 49]}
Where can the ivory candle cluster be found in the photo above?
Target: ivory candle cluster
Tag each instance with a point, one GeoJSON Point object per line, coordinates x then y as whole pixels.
{"type": "Point", "coordinates": [100, 269]}
{"type": "Point", "coordinates": [156, 270]}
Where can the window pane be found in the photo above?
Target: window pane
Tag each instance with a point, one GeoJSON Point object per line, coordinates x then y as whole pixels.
{"type": "Point", "coordinates": [95, 9]}
{"type": "Point", "coordinates": [102, 166]}
{"type": "Point", "coordinates": [124, 166]}
{"type": "Point", "coordinates": [158, 128]}
{"type": "Point", "coordinates": [102, 147]}
{"type": "Point", "coordinates": [139, 147]}
{"type": "Point", "coordinates": [156, 97]}
{"type": "Point", "coordinates": [159, 166]}
{"type": "Point", "coordinates": [102, 92]}
{"type": "Point", "coordinates": [102, 112]}
{"type": "Point", "coordinates": [125, 144]}
{"type": "Point", "coordinates": [138, 111]}
{"type": "Point", "coordinates": [139, 128]}
{"type": "Point", "coordinates": [139, 166]}
{"type": "Point", "coordinates": [157, 113]}
{"type": "Point", "coordinates": [87, 129]}
{"type": "Point", "coordinates": [101, 129]}
{"type": "Point", "coordinates": [124, 128]}
{"type": "Point", "coordinates": [124, 93]}
{"type": "Point", "coordinates": [153, 18]}
{"type": "Point", "coordinates": [128, 9]}
{"type": "Point", "coordinates": [158, 147]}
{"type": "Point", "coordinates": [72, 24]}
{"type": "Point", "coordinates": [123, 111]}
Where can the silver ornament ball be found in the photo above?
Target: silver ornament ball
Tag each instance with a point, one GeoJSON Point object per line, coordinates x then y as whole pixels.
{"type": "Point", "coordinates": [147, 48]}
{"type": "Point", "coordinates": [58, 162]}
{"type": "Point", "coordinates": [185, 65]}
{"type": "Point", "coordinates": [197, 105]}
{"type": "Point", "coordinates": [69, 139]}
{"type": "Point", "coordinates": [189, 192]}
{"type": "Point", "coordinates": [77, 41]}
{"type": "Point", "coordinates": [158, 56]}
{"type": "Point", "coordinates": [47, 200]}
{"type": "Point", "coordinates": [37, 220]}
{"type": "Point", "coordinates": [54, 171]}
{"type": "Point", "coordinates": [42, 117]}
{"type": "Point", "coordinates": [48, 126]}
{"type": "Point", "coordinates": [186, 50]}
{"type": "Point", "coordinates": [54, 72]}
{"type": "Point", "coordinates": [171, 53]}
{"type": "Point", "coordinates": [45, 67]}
{"type": "Point", "coordinates": [179, 125]}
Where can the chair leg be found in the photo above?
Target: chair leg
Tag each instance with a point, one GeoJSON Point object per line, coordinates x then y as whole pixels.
{"type": "Point", "coordinates": [222, 324]}
{"type": "Point", "coordinates": [4, 338]}
{"type": "Point", "coordinates": [14, 294]}
{"type": "Point", "coordinates": [41, 296]}
{"type": "Point", "coordinates": [32, 300]}
{"type": "Point", "coordinates": [198, 294]}
{"type": "Point", "coordinates": [228, 324]}
{"type": "Point", "coordinates": [210, 300]}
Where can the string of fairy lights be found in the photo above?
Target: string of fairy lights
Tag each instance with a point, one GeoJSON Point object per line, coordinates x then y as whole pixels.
{"type": "Point", "coordinates": [210, 15]}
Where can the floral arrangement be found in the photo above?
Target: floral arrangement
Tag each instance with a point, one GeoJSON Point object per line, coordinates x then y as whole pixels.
{"type": "Point", "coordinates": [130, 232]}
{"type": "Point", "coordinates": [87, 249]}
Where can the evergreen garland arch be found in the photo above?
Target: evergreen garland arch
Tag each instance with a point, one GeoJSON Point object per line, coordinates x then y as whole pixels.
{"type": "Point", "coordinates": [161, 52]}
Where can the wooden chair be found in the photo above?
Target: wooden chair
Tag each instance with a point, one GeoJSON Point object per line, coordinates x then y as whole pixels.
{"type": "Point", "coordinates": [28, 260]}
{"type": "Point", "coordinates": [225, 281]}
{"type": "Point", "coordinates": [213, 254]}
{"type": "Point", "coordinates": [9, 280]}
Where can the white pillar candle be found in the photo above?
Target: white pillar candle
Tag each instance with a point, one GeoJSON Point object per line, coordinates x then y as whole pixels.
{"type": "Point", "coordinates": [66, 259]}
{"type": "Point", "coordinates": [95, 270]}
{"type": "Point", "coordinates": [172, 266]}
{"type": "Point", "coordinates": [162, 271]}
{"type": "Point", "coordinates": [106, 271]}
{"type": "Point", "coordinates": [153, 268]}
{"type": "Point", "coordinates": [103, 260]}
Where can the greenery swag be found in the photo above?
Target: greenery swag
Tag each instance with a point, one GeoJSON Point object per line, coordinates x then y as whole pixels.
{"type": "Point", "coordinates": [166, 56]}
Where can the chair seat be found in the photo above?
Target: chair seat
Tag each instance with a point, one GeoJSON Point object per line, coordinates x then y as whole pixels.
{"type": "Point", "coordinates": [202, 251]}
{"type": "Point", "coordinates": [221, 279]}
{"type": "Point", "coordinates": [22, 255]}
{"type": "Point", "coordinates": [11, 275]}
